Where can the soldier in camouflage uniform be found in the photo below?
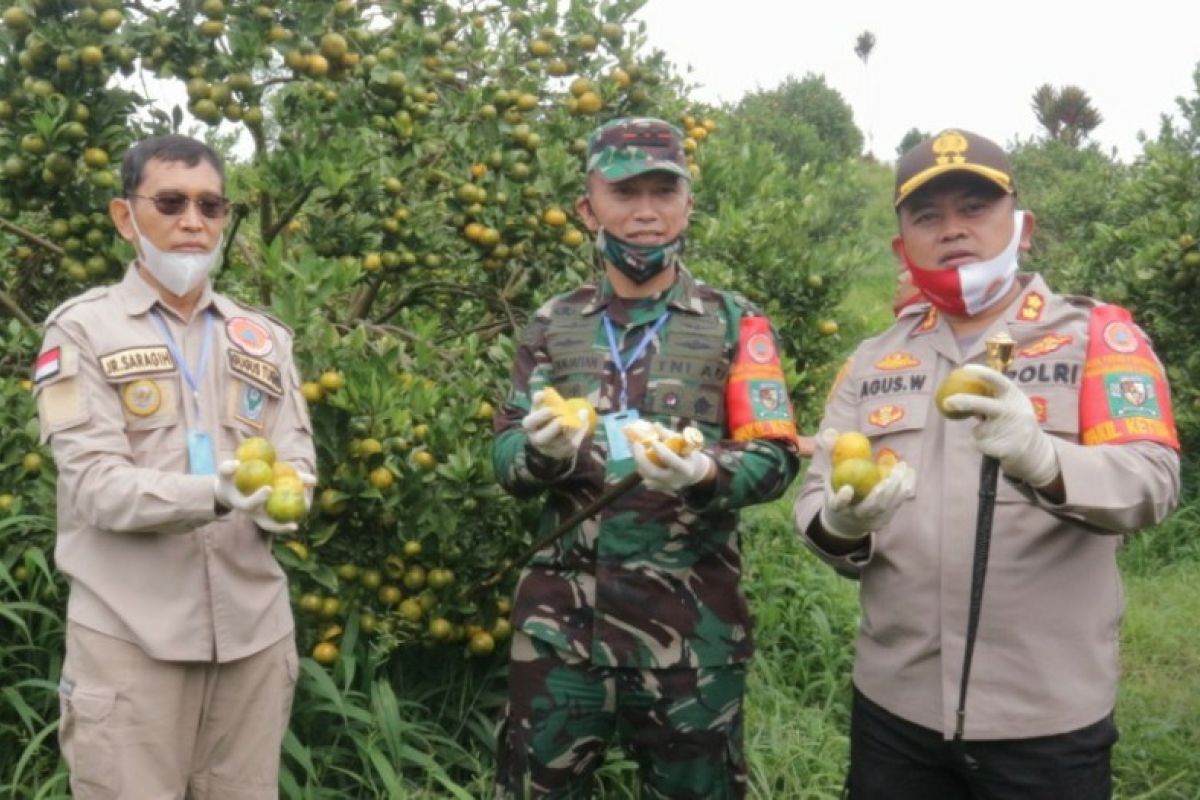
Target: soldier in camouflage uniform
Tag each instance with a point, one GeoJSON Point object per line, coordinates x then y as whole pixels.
{"type": "Point", "coordinates": [634, 623]}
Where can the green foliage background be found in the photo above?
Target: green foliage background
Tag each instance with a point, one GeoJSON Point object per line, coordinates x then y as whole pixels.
{"type": "Point", "coordinates": [353, 163]}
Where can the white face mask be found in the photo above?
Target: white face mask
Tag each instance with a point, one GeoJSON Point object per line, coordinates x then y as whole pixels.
{"type": "Point", "coordinates": [179, 273]}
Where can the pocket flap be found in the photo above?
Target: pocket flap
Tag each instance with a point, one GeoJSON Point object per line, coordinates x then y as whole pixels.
{"type": "Point", "coordinates": [92, 705]}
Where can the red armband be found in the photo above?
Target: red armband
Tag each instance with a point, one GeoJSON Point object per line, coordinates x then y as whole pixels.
{"type": "Point", "coordinates": [756, 399]}
{"type": "Point", "coordinates": [1124, 396]}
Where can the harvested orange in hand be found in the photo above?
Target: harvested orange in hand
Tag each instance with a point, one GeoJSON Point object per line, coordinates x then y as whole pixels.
{"type": "Point", "coordinates": [567, 411]}
{"type": "Point", "coordinates": [850, 444]}
{"type": "Point", "coordinates": [960, 381]}
{"type": "Point", "coordinates": [645, 433]}
{"type": "Point", "coordinates": [859, 474]}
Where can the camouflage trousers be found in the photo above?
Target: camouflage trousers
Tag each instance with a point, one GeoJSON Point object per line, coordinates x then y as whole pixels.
{"type": "Point", "coordinates": [683, 727]}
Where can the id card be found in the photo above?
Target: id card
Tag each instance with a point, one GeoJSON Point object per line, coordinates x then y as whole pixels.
{"type": "Point", "coordinates": [614, 431]}
{"type": "Point", "coordinates": [202, 456]}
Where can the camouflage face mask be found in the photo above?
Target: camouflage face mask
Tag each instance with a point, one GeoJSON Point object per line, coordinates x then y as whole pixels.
{"type": "Point", "coordinates": [638, 262]}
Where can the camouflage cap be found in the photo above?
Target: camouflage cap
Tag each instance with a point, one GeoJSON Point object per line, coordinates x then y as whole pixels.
{"type": "Point", "coordinates": [629, 146]}
{"type": "Point", "coordinates": [952, 151]}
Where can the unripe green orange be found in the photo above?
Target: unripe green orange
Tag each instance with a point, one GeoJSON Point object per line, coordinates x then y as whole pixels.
{"type": "Point", "coordinates": [959, 381]}
{"type": "Point", "coordinates": [859, 474]}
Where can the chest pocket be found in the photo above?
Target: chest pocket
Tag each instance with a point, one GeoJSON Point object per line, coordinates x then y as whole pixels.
{"type": "Point", "coordinates": [687, 377]}
{"type": "Point", "coordinates": [153, 419]}
{"type": "Point", "coordinates": [577, 360]}
{"type": "Point", "coordinates": [896, 424]}
{"type": "Point", "coordinates": [253, 392]}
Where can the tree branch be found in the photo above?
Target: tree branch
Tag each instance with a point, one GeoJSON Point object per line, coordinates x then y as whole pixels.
{"type": "Point", "coordinates": [365, 299]}
{"type": "Point", "coordinates": [285, 216]}
{"type": "Point", "coordinates": [15, 309]}
{"type": "Point", "coordinates": [31, 236]}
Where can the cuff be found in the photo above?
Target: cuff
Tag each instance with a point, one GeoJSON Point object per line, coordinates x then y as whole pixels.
{"type": "Point", "coordinates": [542, 468]}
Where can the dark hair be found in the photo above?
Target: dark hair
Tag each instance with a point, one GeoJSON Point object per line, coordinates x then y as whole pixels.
{"type": "Point", "coordinates": [171, 147]}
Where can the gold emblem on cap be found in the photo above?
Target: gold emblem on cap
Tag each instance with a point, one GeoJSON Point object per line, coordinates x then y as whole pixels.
{"type": "Point", "coordinates": [951, 148]}
{"type": "Point", "coordinates": [142, 398]}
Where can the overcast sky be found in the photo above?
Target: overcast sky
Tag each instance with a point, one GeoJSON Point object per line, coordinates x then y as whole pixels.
{"type": "Point", "coordinates": [938, 65]}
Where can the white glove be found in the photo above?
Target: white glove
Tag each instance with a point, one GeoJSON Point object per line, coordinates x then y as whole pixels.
{"type": "Point", "coordinates": [228, 496]}
{"type": "Point", "coordinates": [263, 521]}
{"type": "Point", "coordinates": [1009, 430]}
{"type": "Point", "coordinates": [548, 436]}
{"type": "Point", "coordinates": [844, 521]}
{"type": "Point", "coordinates": [677, 472]}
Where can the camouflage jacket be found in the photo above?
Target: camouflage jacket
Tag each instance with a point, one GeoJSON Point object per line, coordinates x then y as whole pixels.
{"type": "Point", "coordinates": [653, 580]}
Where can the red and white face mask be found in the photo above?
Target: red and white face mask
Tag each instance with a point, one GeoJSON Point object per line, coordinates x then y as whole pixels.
{"type": "Point", "coordinates": [971, 288]}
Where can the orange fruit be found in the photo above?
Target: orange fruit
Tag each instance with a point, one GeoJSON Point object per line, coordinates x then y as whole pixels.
{"type": "Point", "coordinates": [310, 603]}
{"type": "Point", "coordinates": [286, 504]}
{"type": "Point", "coordinates": [371, 578]}
{"type": "Point", "coordinates": [554, 217]}
{"type": "Point", "coordinates": [412, 548]}
{"type": "Point", "coordinates": [325, 653]}
{"type": "Point", "coordinates": [256, 448]}
{"type": "Point", "coordinates": [425, 460]}
{"type": "Point", "coordinates": [312, 391]}
{"type": "Point", "coordinates": [390, 594]}
{"type": "Point", "coordinates": [850, 444]}
{"type": "Point", "coordinates": [381, 478]}
{"type": "Point", "coordinates": [414, 578]}
{"type": "Point", "coordinates": [859, 474]}
{"type": "Point", "coordinates": [959, 382]}
{"type": "Point", "coordinates": [827, 327]}
{"type": "Point", "coordinates": [410, 610]}
{"type": "Point", "coordinates": [31, 463]}
{"type": "Point", "coordinates": [252, 475]}
{"type": "Point", "coordinates": [481, 643]}
{"type": "Point", "coordinates": [440, 629]}
{"type": "Point", "coordinates": [331, 380]}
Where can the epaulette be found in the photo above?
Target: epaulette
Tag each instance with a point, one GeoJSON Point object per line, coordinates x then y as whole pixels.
{"type": "Point", "coordinates": [1082, 301]}
{"type": "Point", "coordinates": [744, 304]}
{"type": "Point", "coordinates": [95, 293]}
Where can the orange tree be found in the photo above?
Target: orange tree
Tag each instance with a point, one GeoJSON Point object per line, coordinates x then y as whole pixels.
{"type": "Point", "coordinates": [404, 172]}
{"type": "Point", "coordinates": [1136, 241]}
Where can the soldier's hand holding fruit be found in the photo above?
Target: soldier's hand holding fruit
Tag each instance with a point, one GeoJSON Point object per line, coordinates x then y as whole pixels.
{"type": "Point", "coordinates": [557, 427]}
{"type": "Point", "coordinates": [860, 495]}
{"type": "Point", "coordinates": [669, 461]}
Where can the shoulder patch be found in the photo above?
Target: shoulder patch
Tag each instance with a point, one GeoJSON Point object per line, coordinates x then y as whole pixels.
{"type": "Point", "coordinates": [264, 314]}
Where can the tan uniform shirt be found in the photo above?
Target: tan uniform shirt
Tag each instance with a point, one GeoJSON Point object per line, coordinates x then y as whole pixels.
{"type": "Point", "coordinates": [1046, 653]}
{"type": "Point", "coordinates": [147, 557]}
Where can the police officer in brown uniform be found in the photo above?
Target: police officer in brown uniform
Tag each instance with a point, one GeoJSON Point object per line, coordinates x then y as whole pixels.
{"type": "Point", "coordinates": [1082, 429]}
{"type": "Point", "coordinates": [180, 661]}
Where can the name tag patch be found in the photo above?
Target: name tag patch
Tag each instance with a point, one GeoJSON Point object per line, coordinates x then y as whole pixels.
{"type": "Point", "coordinates": [261, 373]}
{"type": "Point", "coordinates": [137, 361]}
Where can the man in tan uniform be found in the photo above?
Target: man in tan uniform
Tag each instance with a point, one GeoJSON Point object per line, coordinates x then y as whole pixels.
{"type": "Point", "coordinates": [180, 662]}
{"type": "Point", "coordinates": [1081, 426]}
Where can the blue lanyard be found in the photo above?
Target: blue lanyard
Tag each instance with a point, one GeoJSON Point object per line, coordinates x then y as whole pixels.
{"type": "Point", "coordinates": [623, 367]}
{"type": "Point", "coordinates": [192, 378]}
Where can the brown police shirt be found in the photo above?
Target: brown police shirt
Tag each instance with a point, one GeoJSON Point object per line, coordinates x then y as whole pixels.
{"type": "Point", "coordinates": [148, 559]}
{"type": "Point", "coordinates": [1046, 653]}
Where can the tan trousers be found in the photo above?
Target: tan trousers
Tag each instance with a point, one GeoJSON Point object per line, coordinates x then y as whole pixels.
{"type": "Point", "coordinates": [135, 728]}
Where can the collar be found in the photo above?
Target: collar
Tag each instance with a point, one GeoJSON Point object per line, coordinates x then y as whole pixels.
{"type": "Point", "coordinates": [140, 296]}
{"type": "Point", "coordinates": [682, 295]}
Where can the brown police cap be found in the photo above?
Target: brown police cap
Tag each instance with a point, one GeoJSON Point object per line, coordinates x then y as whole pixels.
{"type": "Point", "coordinates": [952, 151]}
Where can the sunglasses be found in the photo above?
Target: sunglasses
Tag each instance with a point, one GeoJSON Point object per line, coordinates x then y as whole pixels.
{"type": "Point", "coordinates": [172, 204]}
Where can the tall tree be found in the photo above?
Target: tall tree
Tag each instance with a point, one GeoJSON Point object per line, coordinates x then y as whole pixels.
{"type": "Point", "coordinates": [805, 120]}
{"type": "Point", "coordinates": [1066, 114]}
{"type": "Point", "coordinates": [911, 139]}
{"type": "Point", "coordinates": [864, 45]}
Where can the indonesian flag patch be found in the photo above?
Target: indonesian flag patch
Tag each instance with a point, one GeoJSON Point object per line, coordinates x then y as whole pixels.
{"type": "Point", "coordinates": [48, 364]}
